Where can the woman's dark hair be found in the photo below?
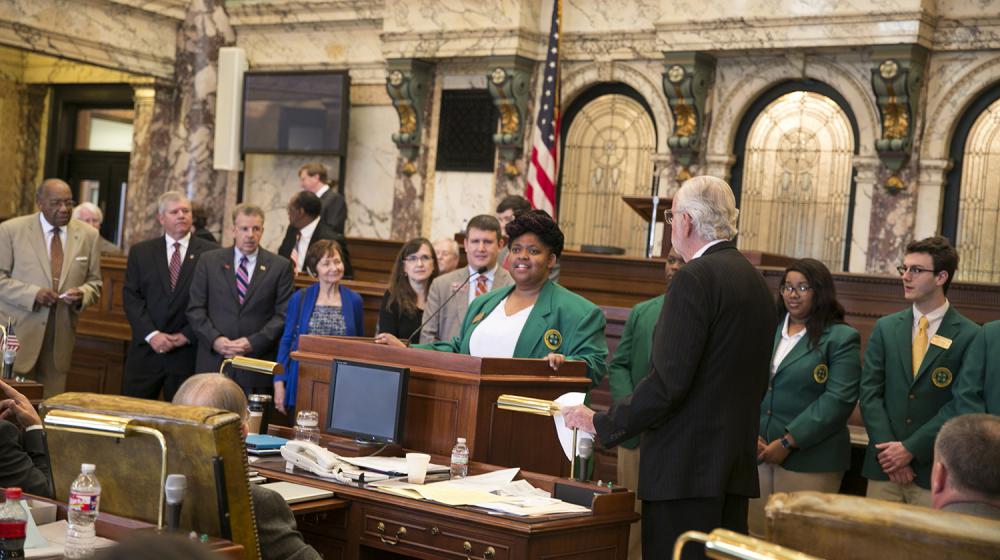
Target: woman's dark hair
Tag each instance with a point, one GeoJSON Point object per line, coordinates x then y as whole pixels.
{"type": "Point", "coordinates": [401, 293]}
{"type": "Point", "coordinates": [318, 251]}
{"type": "Point", "coordinates": [541, 224]}
{"type": "Point", "coordinates": [826, 310]}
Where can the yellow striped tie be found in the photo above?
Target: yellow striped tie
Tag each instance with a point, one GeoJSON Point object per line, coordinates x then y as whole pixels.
{"type": "Point", "coordinates": [919, 345]}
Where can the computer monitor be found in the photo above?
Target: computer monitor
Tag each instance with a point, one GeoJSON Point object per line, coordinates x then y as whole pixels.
{"type": "Point", "coordinates": [367, 402]}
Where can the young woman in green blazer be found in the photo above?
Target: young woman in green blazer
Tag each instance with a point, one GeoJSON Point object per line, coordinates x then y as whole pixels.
{"type": "Point", "coordinates": [803, 442]}
{"type": "Point", "coordinates": [534, 318]}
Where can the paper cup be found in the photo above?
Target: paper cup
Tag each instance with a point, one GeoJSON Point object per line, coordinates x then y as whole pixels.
{"type": "Point", "coordinates": [416, 467]}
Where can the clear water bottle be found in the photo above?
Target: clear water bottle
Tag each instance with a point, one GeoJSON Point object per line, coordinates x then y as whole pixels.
{"type": "Point", "coordinates": [13, 523]}
{"type": "Point", "coordinates": [84, 503]}
{"type": "Point", "coordinates": [460, 459]}
{"type": "Point", "coordinates": [307, 426]}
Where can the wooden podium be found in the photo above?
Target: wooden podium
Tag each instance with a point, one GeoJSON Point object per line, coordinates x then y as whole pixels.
{"type": "Point", "coordinates": [643, 206]}
{"type": "Point", "coordinates": [454, 395]}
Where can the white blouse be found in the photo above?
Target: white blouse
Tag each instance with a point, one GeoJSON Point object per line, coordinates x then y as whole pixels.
{"type": "Point", "coordinates": [497, 334]}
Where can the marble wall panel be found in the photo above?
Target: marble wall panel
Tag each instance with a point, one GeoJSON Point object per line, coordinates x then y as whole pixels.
{"type": "Point", "coordinates": [371, 170]}
{"type": "Point", "coordinates": [269, 181]}
{"type": "Point", "coordinates": [149, 172]}
{"type": "Point", "coordinates": [99, 32]}
{"type": "Point", "coordinates": [314, 46]}
{"type": "Point", "coordinates": [425, 16]}
{"type": "Point", "coordinates": [458, 197]}
{"type": "Point", "coordinates": [587, 16]}
{"type": "Point", "coordinates": [891, 226]}
{"type": "Point", "coordinates": [21, 110]}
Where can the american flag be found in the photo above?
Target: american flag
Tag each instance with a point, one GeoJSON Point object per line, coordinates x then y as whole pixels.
{"type": "Point", "coordinates": [540, 187]}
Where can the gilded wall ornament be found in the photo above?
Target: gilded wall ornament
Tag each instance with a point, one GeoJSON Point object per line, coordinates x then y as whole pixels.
{"type": "Point", "coordinates": [408, 83]}
{"type": "Point", "coordinates": [686, 83]}
{"type": "Point", "coordinates": [509, 85]}
{"type": "Point", "coordinates": [896, 82]}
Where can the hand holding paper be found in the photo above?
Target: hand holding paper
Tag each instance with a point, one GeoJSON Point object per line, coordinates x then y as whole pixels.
{"type": "Point", "coordinates": [573, 415]}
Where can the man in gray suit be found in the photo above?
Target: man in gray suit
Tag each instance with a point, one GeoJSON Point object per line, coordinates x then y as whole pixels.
{"type": "Point", "coordinates": [238, 299]}
{"type": "Point", "coordinates": [50, 269]}
{"type": "Point", "coordinates": [483, 242]}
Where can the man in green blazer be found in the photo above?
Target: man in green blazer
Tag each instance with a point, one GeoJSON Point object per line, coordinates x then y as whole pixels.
{"type": "Point", "coordinates": [912, 360]}
{"type": "Point", "coordinates": [560, 322]}
{"type": "Point", "coordinates": [627, 368]}
{"type": "Point", "coordinates": [978, 386]}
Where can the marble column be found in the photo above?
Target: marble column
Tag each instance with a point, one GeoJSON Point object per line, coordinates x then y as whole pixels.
{"type": "Point", "coordinates": [865, 186]}
{"type": "Point", "coordinates": [32, 99]}
{"type": "Point", "coordinates": [204, 31]}
{"type": "Point", "coordinates": [148, 170]}
{"type": "Point", "coordinates": [891, 226]}
{"type": "Point", "coordinates": [930, 196]}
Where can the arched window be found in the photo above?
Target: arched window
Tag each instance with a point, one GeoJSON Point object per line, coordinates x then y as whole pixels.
{"type": "Point", "coordinates": [796, 175]}
{"type": "Point", "coordinates": [971, 216]}
{"type": "Point", "coordinates": [609, 140]}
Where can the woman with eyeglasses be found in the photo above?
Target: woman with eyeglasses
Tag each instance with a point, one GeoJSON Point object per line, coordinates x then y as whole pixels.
{"type": "Point", "coordinates": [803, 442]}
{"type": "Point", "coordinates": [404, 302]}
{"type": "Point", "coordinates": [534, 318]}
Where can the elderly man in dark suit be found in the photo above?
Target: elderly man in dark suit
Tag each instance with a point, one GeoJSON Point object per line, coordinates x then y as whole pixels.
{"type": "Point", "coordinates": [24, 457]}
{"type": "Point", "coordinates": [306, 228]}
{"type": "Point", "coordinates": [155, 297]}
{"type": "Point", "coordinates": [313, 178]}
{"type": "Point", "coordinates": [238, 299]}
{"type": "Point", "coordinates": [698, 408]}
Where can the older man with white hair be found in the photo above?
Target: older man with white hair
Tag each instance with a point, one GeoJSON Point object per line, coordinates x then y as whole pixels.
{"type": "Point", "coordinates": [90, 213]}
{"type": "Point", "coordinates": [698, 409]}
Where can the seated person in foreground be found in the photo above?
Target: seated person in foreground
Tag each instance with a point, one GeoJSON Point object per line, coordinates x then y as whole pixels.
{"type": "Point", "coordinates": [534, 318]}
{"type": "Point", "coordinates": [24, 461]}
{"type": "Point", "coordinates": [279, 539]}
{"type": "Point", "coordinates": [327, 308]}
{"type": "Point", "coordinates": [966, 473]}
{"type": "Point", "coordinates": [409, 283]}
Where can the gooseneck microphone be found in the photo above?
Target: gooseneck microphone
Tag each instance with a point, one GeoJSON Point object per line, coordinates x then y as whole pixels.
{"type": "Point", "coordinates": [480, 270]}
{"type": "Point", "coordinates": [174, 489]}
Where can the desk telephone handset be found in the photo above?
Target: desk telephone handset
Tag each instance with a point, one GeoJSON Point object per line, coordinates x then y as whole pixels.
{"type": "Point", "coordinates": [313, 458]}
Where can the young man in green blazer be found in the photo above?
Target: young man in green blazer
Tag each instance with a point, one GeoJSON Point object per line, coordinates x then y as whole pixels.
{"type": "Point", "coordinates": [978, 386]}
{"type": "Point", "coordinates": [911, 363]}
{"type": "Point", "coordinates": [627, 368]}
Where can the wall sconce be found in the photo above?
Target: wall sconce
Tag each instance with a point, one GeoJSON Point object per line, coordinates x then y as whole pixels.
{"type": "Point", "coordinates": [722, 543]}
{"type": "Point", "coordinates": [105, 425]}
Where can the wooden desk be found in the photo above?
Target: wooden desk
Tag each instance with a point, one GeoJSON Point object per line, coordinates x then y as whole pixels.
{"type": "Point", "coordinates": [375, 525]}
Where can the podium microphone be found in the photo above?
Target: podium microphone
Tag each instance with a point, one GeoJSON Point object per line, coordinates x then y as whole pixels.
{"type": "Point", "coordinates": [174, 488]}
{"type": "Point", "coordinates": [585, 450]}
{"type": "Point", "coordinates": [480, 270]}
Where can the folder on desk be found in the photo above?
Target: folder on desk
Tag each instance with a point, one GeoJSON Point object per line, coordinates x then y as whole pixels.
{"type": "Point", "coordinates": [295, 493]}
{"type": "Point", "coordinates": [262, 442]}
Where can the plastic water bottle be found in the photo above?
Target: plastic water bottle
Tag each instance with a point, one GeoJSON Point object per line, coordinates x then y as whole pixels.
{"type": "Point", "coordinates": [460, 459]}
{"type": "Point", "coordinates": [307, 426]}
{"type": "Point", "coordinates": [84, 503]}
{"type": "Point", "coordinates": [13, 523]}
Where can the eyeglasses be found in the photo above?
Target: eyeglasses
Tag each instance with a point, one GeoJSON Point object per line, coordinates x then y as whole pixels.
{"type": "Point", "coordinates": [789, 288]}
{"type": "Point", "coordinates": [913, 270]}
{"type": "Point", "coordinates": [416, 258]}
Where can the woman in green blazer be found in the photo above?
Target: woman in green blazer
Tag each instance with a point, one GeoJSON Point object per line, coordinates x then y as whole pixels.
{"type": "Point", "coordinates": [534, 318]}
{"type": "Point", "coordinates": [803, 442]}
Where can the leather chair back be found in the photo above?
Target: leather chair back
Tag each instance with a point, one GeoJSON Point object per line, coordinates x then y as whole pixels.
{"type": "Point", "coordinates": [129, 469]}
{"type": "Point", "coordinates": [852, 527]}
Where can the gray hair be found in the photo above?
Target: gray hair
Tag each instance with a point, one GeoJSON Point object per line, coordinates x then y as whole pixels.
{"type": "Point", "coordinates": [969, 446]}
{"type": "Point", "coordinates": [89, 207]}
{"type": "Point", "coordinates": [248, 210]}
{"type": "Point", "coordinates": [168, 197]}
{"type": "Point", "coordinates": [452, 244]}
{"type": "Point", "coordinates": [213, 390]}
{"type": "Point", "coordinates": [712, 207]}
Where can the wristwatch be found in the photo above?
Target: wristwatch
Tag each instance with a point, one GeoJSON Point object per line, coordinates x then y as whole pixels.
{"type": "Point", "coordinates": [785, 443]}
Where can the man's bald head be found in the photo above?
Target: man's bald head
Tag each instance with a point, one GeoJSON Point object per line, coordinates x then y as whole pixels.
{"type": "Point", "coordinates": [213, 390]}
{"type": "Point", "coordinates": [55, 201]}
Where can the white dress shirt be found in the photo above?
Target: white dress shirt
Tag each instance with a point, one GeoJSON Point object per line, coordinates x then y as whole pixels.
{"type": "Point", "coordinates": [497, 334]}
{"type": "Point", "coordinates": [305, 236]}
{"type": "Point", "coordinates": [322, 190]}
{"type": "Point", "coordinates": [785, 345]}
{"type": "Point", "coordinates": [47, 232]}
{"type": "Point", "coordinates": [184, 241]}
{"type": "Point", "coordinates": [933, 322]}
{"type": "Point", "coordinates": [704, 248]}
{"type": "Point", "coordinates": [251, 263]}
{"type": "Point", "coordinates": [474, 278]}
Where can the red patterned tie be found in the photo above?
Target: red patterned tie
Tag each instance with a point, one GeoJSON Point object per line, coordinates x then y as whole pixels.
{"type": "Point", "coordinates": [481, 285]}
{"type": "Point", "coordinates": [175, 265]}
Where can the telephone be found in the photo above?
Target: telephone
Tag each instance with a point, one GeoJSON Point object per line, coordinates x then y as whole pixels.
{"type": "Point", "coordinates": [313, 458]}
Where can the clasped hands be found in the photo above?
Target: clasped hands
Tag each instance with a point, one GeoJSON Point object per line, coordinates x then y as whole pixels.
{"type": "Point", "coordinates": [229, 348]}
{"type": "Point", "coordinates": [163, 342]}
{"type": "Point", "coordinates": [895, 460]}
{"type": "Point", "coordinates": [773, 453]}
{"type": "Point", "coordinates": [16, 408]}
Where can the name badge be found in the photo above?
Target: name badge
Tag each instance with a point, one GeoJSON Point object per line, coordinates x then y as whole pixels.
{"type": "Point", "coordinates": [479, 317]}
{"type": "Point", "coordinates": [940, 341]}
{"type": "Point", "coordinates": [81, 258]}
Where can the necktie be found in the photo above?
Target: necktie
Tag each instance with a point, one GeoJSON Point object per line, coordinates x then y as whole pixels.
{"type": "Point", "coordinates": [919, 345]}
{"type": "Point", "coordinates": [175, 265]}
{"type": "Point", "coordinates": [56, 254]}
{"type": "Point", "coordinates": [295, 252]}
{"type": "Point", "coordinates": [481, 285]}
{"type": "Point", "coordinates": [242, 279]}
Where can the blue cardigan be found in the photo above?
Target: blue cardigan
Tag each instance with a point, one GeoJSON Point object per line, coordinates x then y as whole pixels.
{"type": "Point", "coordinates": [297, 323]}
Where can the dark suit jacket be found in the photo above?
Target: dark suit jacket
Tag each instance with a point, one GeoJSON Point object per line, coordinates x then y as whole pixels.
{"type": "Point", "coordinates": [24, 460]}
{"type": "Point", "coordinates": [334, 210]}
{"type": "Point", "coordinates": [214, 309]}
{"type": "Point", "coordinates": [322, 231]}
{"type": "Point", "coordinates": [698, 408]}
{"type": "Point", "coordinates": [279, 538]}
{"type": "Point", "coordinates": [151, 305]}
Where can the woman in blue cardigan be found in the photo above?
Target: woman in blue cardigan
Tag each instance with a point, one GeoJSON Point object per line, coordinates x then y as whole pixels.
{"type": "Point", "coordinates": [326, 308]}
